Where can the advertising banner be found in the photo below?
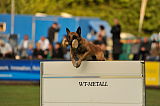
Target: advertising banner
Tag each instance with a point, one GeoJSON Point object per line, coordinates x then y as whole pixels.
{"type": "Point", "coordinates": [20, 70]}
{"type": "Point", "coordinates": [152, 73]}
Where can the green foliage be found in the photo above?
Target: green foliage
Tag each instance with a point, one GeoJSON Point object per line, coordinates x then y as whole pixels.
{"type": "Point", "coordinates": [5, 6]}
{"type": "Point", "coordinates": [152, 18]}
{"type": "Point", "coordinates": [127, 11]}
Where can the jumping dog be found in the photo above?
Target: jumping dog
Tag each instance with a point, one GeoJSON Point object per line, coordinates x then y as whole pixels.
{"type": "Point", "coordinates": [80, 48]}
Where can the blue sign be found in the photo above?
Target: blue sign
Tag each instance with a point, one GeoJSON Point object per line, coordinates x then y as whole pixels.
{"type": "Point", "coordinates": [20, 70]}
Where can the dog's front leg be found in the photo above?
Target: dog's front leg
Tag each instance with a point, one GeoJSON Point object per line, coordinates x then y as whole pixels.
{"type": "Point", "coordinates": [82, 58]}
{"type": "Point", "coordinates": [74, 62]}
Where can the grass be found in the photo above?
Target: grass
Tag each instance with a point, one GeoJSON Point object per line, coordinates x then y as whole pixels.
{"type": "Point", "coordinates": [18, 95]}
{"type": "Point", "coordinates": [153, 97]}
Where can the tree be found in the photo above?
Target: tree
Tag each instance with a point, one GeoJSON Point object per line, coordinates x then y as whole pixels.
{"type": "Point", "coordinates": [127, 11]}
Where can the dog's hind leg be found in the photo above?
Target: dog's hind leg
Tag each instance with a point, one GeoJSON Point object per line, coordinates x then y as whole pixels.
{"type": "Point", "coordinates": [100, 56]}
{"type": "Point", "coordinates": [82, 58]}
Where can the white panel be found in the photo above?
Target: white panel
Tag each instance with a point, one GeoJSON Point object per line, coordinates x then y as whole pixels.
{"type": "Point", "coordinates": [93, 68]}
{"type": "Point", "coordinates": [60, 83]}
{"type": "Point", "coordinates": [69, 90]}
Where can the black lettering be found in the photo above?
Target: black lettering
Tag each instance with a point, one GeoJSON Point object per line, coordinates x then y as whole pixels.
{"type": "Point", "coordinates": [80, 83]}
{"type": "Point", "coordinates": [106, 84]}
{"type": "Point", "coordinates": [89, 84]}
{"type": "Point", "coordinates": [93, 84]}
{"type": "Point", "coordinates": [100, 84]}
{"type": "Point", "coordinates": [97, 83]}
{"type": "Point", "coordinates": [85, 83]}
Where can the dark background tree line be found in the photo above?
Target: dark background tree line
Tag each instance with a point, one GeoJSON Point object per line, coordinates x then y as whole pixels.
{"type": "Point", "coordinates": [127, 11]}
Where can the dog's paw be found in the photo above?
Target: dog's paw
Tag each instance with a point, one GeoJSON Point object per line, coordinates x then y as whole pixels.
{"type": "Point", "coordinates": [76, 64]}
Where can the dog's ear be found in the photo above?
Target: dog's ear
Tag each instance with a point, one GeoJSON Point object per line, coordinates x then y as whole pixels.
{"type": "Point", "coordinates": [68, 31]}
{"type": "Point", "coordinates": [79, 31]}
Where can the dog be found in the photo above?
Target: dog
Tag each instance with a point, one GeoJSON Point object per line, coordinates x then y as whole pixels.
{"type": "Point", "coordinates": [80, 48]}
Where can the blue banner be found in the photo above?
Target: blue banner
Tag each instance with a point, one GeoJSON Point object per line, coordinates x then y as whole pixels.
{"type": "Point", "coordinates": [20, 70]}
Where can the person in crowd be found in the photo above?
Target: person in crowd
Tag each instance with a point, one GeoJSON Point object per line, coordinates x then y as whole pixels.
{"type": "Point", "coordinates": [50, 52]}
{"type": "Point", "coordinates": [91, 36]}
{"type": "Point", "coordinates": [58, 51]}
{"type": "Point", "coordinates": [25, 42]}
{"type": "Point", "coordinates": [155, 52]}
{"type": "Point", "coordinates": [145, 48]}
{"type": "Point", "coordinates": [30, 51]}
{"type": "Point", "coordinates": [99, 40]}
{"type": "Point", "coordinates": [52, 32]}
{"type": "Point", "coordinates": [102, 32]}
{"type": "Point", "coordinates": [117, 46]}
{"type": "Point", "coordinates": [13, 41]}
{"type": "Point", "coordinates": [44, 43]}
{"type": "Point", "coordinates": [101, 43]}
{"type": "Point", "coordinates": [135, 49]}
{"type": "Point", "coordinates": [5, 50]}
{"type": "Point", "coordinates": [24, 45]}
{"type": "Point", "coordinates": [38, 52]}
{"type": "Point", "coordinates": [116, 30]}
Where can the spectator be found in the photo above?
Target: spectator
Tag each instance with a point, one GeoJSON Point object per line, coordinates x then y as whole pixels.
{"type": "Point", "coordinates": [44, 43]}
{"type": "Point", "coordinates": [58, 51]}
{"type": "Point", "coordinates": [30, 51]}
{"type": "Point", "coordinates": [25, 42]}
{"type": "Point", "coordinates": [38, 52]}
{"type": "Point", "coordinates": [24, 45]}
{"type": "Point", "coordinates": [116, 30]}
{"type": "Point", "coordinates": [99, 40]}
{"type": "Point", "coordinates": [52, 31]}
{"type": "Point", "coordinates": [145, 48]}
{"type": "Point", "coordinates": [13, 41]}
{"type": "Point", "coordinates": [5, 50]}
{"type": "Point", "coordinates": [155, 52]}
{"type": "Point", "coordinates": [49, 52]}
{"type": "Point", "coordinates": [135, 49]}
{"type": "Point", "coordinates": [102, 32]}
{"type": "Point", "coordinates": [92, 35]}
{"type": "Point", "coordinates": [101, 43]}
